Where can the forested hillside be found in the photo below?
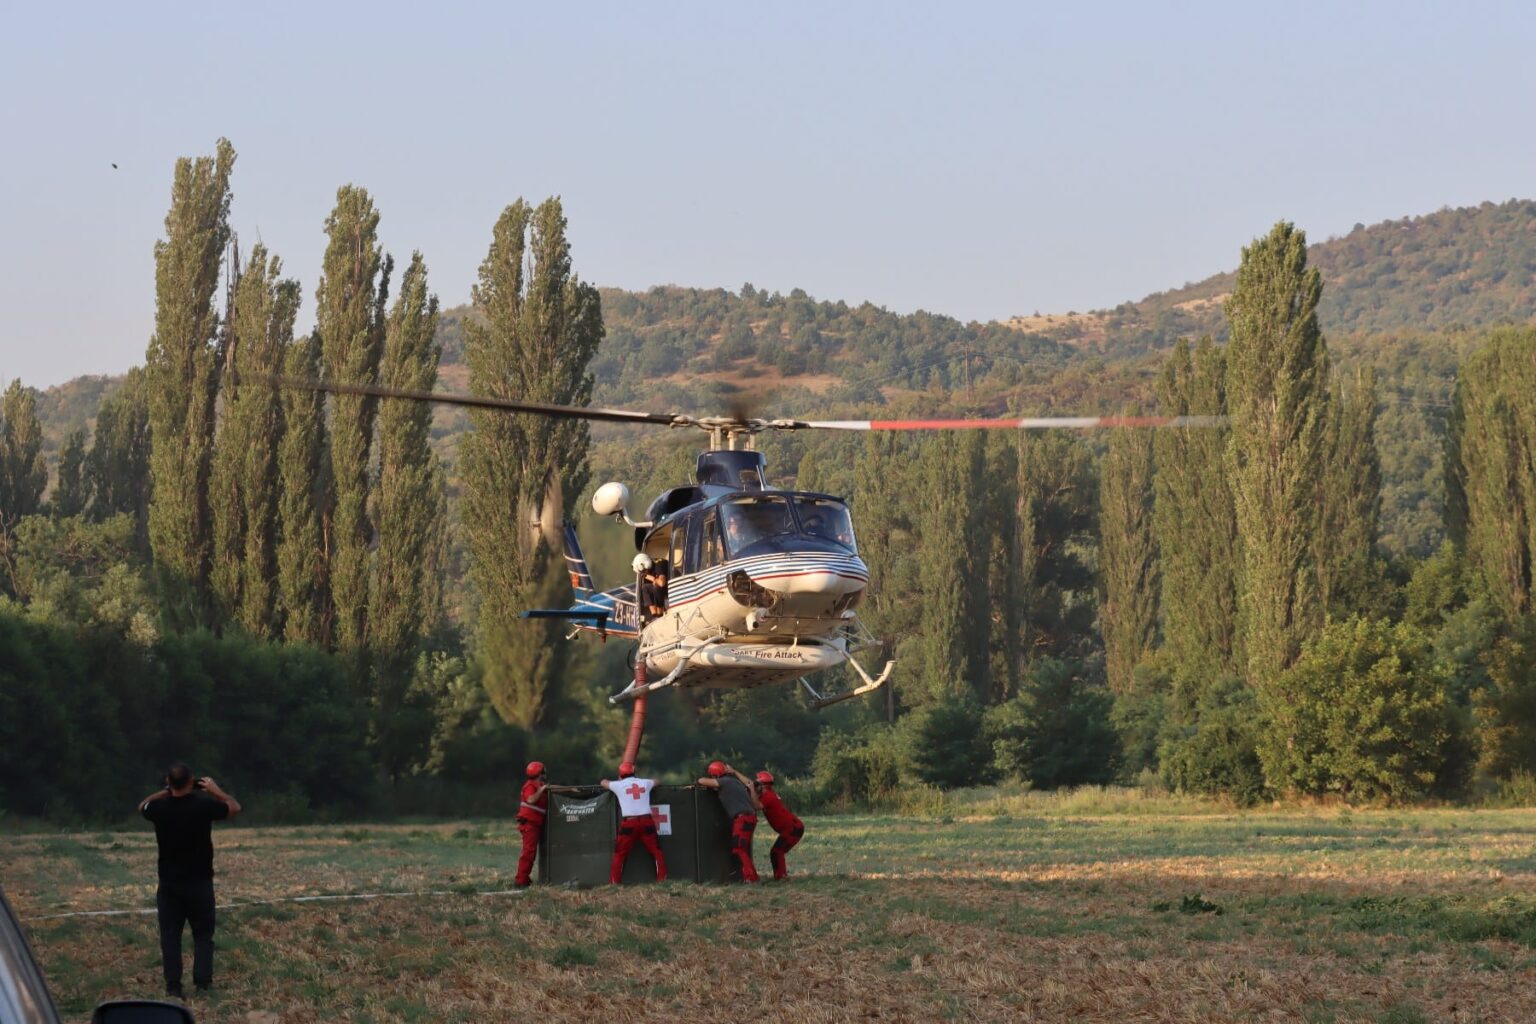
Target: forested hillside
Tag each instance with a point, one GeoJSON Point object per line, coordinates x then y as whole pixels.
{"type": "Point", "coordinates": [1448, 270]}
{"type": "Point", "coordinates": [696, 346]}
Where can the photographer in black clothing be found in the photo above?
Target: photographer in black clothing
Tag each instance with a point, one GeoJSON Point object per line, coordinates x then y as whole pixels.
{"type": "Point", "coordinates": [184, 813]}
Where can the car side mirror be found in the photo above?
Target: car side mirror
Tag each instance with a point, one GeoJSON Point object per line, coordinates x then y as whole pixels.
{"type": "Point", "coordinates": [142, 1011]}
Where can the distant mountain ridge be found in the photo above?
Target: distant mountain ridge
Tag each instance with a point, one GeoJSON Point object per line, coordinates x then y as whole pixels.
{"type": "Point", "coordinates": [1456, 268]}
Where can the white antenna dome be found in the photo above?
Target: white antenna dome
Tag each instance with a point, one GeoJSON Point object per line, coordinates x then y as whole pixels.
{"type": "Point", "coordinates": [611, 499]}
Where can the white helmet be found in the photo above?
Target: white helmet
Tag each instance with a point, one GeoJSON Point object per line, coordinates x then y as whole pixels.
{"type": "Point", "coordinates": [641, 563]}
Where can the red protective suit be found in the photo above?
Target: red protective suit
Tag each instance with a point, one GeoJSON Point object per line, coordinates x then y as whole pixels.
{"type": "Point", "coordinates": [784, 822]}
{"type": "Point", "coordinates": [742, 827]}
{"type": "Point", "coordinates": [642, 828]}
{"type": "Point", "coordinates": [530, 823]}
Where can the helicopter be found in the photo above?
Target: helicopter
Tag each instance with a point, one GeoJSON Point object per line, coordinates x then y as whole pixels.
{"type": "Point", "coordinates": [757, 585]}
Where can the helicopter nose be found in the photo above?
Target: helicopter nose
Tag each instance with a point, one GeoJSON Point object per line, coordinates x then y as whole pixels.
{"type": "Point", "coordinates": [811, 573]}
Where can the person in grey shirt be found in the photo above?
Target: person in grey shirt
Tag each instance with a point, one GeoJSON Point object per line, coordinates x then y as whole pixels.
{"type": "Point", "coordinates": [739, 798]}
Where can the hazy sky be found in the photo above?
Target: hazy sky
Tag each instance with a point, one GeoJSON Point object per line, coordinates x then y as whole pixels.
{"type": "Point", "coordinates": [978, 160]}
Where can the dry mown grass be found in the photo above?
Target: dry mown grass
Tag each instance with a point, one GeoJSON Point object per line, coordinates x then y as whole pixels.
{"type": "Point", "coordinates": [1261, 916]}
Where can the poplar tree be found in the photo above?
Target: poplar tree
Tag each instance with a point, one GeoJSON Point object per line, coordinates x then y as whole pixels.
{"type": "Point", "coordinates": [1491, 468]}
{"type": "Point", "coordinates": [259, 605]}
{"type": "Point", "coordinates": [1277, 378]}
{"type": "Point", "coordinates": [1128, 563]}
{"type": "Point", "coordinates": [1057, 503]}
{"type": "Point", "coordinates": [70, 496]}
{"type": "Point", "coordinates": [1005, 573]}
{"type": "Point", "coordinates": [23, 471]}
{"type": "Point", "coordinates": [243, 486]}
{"type": "Point", "coordinates": [1349, 501]}
{"type": "Point", "coordinates": [537, 337]}
{"type": "Point", "coordinates": [182, 370]}
{"type": "Point", "coordinates": [885, 540]}
{"type": "Point", "coordinates": [407, 591]}
{"type": "Point", "coordinates": [952, 663]}
{"type": "Point", "coordinates": [1195, 525]}
{"type": "Point", "coordinates": [303, 592]}
{"type": "Point", "coordinates": [350, 301]}
{"type": "Point", "coordinates": [117, 468]}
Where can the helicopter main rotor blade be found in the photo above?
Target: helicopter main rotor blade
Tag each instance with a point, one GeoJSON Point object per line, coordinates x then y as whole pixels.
{"type": "Point", "coordinates": [1032, 423]}
{"type": "Point", "coordinates": [580, 412]}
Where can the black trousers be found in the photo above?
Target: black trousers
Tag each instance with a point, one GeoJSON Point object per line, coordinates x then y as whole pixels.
{"type": "Point", "coordinates": [178, 903]}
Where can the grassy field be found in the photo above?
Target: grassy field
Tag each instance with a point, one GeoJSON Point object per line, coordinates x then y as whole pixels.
{"type": "Point", "coordinates": [1058, 915]}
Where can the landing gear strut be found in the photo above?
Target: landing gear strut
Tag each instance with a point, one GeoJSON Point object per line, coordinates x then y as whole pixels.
{"type": "Point", "coordinates": [870, 684]}
{"type": "Point", "coordinates": [639, 688]}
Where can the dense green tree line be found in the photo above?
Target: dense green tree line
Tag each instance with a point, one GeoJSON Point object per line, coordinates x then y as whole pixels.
{"type": "Point", "coordinates": [75, 740]}
{"type": "Point", "coordinates": [1264, 608]}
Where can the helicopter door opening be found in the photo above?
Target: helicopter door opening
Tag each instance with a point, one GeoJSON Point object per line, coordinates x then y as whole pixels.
{"type": "Point", "coordinates": [654, 584]}
{"type": "Point", "coordinates": [659, 545]}
{"type": "Point", "coordinates": [679, 546]}
{"type": "Point", "coordinates": [713, 551]}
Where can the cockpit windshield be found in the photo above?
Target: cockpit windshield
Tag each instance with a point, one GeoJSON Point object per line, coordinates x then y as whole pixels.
{"type": "Point", "coordinates": [825, 519]}
{"type": "Point", "coordinates": [756, 519]}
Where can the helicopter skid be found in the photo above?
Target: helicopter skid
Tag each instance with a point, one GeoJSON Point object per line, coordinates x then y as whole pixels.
{"type": "Point", "coordinates": [869, 686]}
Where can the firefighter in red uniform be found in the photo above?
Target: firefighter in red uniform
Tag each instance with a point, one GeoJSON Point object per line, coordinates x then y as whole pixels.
{"type": "Point", "coordinates": [530, 821]}
{"type": "Point", "coordinates": [782, 820]}
{"type": "Point", "coordinates": [739, 799]}
{"type": "Point", "coordinates": [636, 822]}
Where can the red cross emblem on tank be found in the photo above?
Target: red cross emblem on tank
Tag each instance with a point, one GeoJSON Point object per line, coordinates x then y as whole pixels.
{"type": "Point", "coordinates": [659, 816]}
{"type": "Point", "coordinates": [635, 791]}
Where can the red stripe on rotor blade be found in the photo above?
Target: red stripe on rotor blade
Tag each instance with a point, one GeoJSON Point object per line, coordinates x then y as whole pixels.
{"type": "Point", "coordinates": [1028, 423]}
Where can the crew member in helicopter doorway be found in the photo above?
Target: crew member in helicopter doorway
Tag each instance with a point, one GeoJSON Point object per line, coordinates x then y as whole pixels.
{"type": "Point", "coordinates": [635, 822]}
{"type": "Point", "coordinates": [653, 590]}
{"type": "Point", "coordinates": [739, 799]}
{"type": "Point", "coordinates": [782, 820]}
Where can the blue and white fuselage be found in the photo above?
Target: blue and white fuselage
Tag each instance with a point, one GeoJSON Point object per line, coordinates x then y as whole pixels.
{"type": "Point", "coordinates": [760, 588]}
{"type": "Point", "coordinates": [749, 585]}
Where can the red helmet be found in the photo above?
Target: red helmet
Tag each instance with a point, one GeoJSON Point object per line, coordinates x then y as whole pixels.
{"type": "Point", "coordinates": [535, 769]}
{"type": "Point", "coordinates": [766, 778]}
{"type": "Point", "coordinates": [626, 770]}
{"type": "Point", "coordinates": [716, 769]}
